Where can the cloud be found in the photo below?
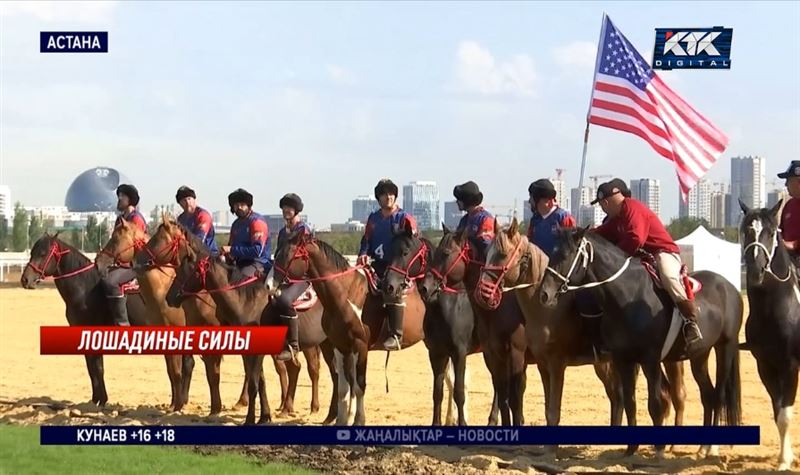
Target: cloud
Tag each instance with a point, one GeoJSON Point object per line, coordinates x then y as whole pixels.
{"type": "Point", "coordinates": [578, 55]}
{"type": "Point", "coordinates": [52, 12]}
{"type": "Point", "coordinates": [340, 75]}
{"type": "Point", "coordinates": [477, 71]}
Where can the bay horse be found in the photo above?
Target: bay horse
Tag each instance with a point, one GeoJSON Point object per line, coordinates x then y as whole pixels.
{"type": "Point", "coordinates": [77, 281]}
{"type": "Point", "coordinates": [164, 252]}
{"type": "Point", "coordinates": [557, 337]}
{"type": "Point", "coordinates": [773, 327]}
{"type": "Point", "coordinates": [641, 325]}
{"type": "Point", "coordinates": [354, 323]}
{"type": "Point", "coordinates": [239, 304]}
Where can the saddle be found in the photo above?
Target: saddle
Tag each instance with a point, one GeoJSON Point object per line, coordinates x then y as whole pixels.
{"type": "Point", "coordinates": [130, 287]}
{"type": "Point", "coordinates": [307, 300]}
{"type": "Point", "coordinates": [690, 284]}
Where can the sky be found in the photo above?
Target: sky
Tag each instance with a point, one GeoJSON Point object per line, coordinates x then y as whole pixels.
{"type": "Point", "coordinates": [324, 99]}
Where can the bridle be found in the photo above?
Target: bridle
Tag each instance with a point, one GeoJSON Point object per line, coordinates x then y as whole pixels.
{"type": "Point", "coordinates": [420, 255]}
{"type": "Point", "coordinates": [138, 244]}
{"type": "Point", "coordinates": [203, 266]}
{"type": "Point", "coordinates": [441, 278]}
{"type": "Point", "coordinates": [491, 292]}
{"type": "Point", "coordinates": [168, 254]}
{"type": "Point", "coordinates": [301, 252]}
{"type": "Point", "coordinates": [584, 256]}
{"type": "Point", "coordinates": [57, 253]}
{"type": "Point", "coordinates": [770, 255]}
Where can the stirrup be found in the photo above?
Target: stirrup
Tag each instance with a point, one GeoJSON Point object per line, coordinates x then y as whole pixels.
{"type": "Point", "coordinates": [290, 350]}
{"type": "Point", "coordinates": [394, 340]}
{"type": "Point", "coordinates": [696, 333]}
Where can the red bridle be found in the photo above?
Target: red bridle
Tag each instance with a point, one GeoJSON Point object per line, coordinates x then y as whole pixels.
{"type": "Point", "coordinates": [203, 266]}
{"type": "Point", "coordinates": [57, 253]}
{"type": "Point", "coordinates": [421, 253]}
{"type": "Point", "coordinates": [301, 252]}
{"type": "Point", "coordinates": [463, 255]}
{"type": "Point", "coordinates": [491, 293]}
{"type": "Point", "coordinates": [169, 250]}
{"type": "Point", "coordinates": [137, 244]}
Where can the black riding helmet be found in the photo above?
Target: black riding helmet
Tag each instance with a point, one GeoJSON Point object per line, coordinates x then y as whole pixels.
{"type": "Point", "coordinates": [184, 192]}
{"type": "Point", "coordinates": [468, 193]}
{"type": "Point", "coordinates": [542, 189]}
{"type": "Point", "coordinates": [131, 192]}
{"type": "Point", "coordinates": [240, 196]}
{"type": "Point", "coordinates": [293, 201]}
{"type": "Point", "coordinates": [385, 186]}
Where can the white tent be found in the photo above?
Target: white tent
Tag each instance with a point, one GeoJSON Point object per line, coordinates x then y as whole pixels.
{"type": "Point", "coordinates": [703, 251]}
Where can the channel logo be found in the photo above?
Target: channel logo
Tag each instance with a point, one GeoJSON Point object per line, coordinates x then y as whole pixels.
{"type": "Point", "coordinates": [693, 48]}
{"type": "Point", "coordinates": [73, 42]}
{"type": "Point", "coordinates": [343, 434]}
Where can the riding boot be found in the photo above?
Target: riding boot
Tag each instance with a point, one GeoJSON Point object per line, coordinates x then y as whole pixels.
{"type": "Point", "coordinates": [119, 311]}
{"type": "Point", "coordinates": [292, 345]}
{"type": "Point", "coordinates": [690, 312]}
{"type": "Point", "coordinates": [394, 325]}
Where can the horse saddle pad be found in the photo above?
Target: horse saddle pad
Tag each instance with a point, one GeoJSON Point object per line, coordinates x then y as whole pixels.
{"type": "Point", "coordinates": [130, 287]}
{"type": "Point", "coordinates": [307, 300]}
{"type": "Point", "coordinates": [692, 285]}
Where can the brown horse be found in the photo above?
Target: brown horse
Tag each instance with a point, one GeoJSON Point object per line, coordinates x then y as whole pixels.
{"type": "Point", "coordinates": [354, 323]}
{"type": "Point", "coordinates": [557, 336]}
{"type": "Point", "coordinates": [241, 303]}
{"type": "Point", "coordinates": [164, 252]}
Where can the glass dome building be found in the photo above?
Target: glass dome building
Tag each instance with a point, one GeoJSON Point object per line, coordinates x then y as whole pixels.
{"type": "Point", "coordinates": [94, 190]}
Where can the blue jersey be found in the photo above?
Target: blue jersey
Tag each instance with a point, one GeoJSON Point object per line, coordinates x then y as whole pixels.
{"type": "Point", "coordinates": [201, 225]}
{"type": "Point", "coordinates": [480, 228]}
{"type": "Point", "coordinates": [284, 233]}
{"type": "Point", "coordinates": [380, 230]}
{"type": "Point", "coordinates": [543, 230]}
{"type": "Point", "coordinates": [134, 217]}
{"type": "Point", "coordinates": [250, 241]}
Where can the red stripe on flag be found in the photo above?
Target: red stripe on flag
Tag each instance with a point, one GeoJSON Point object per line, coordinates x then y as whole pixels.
{"type": "Point", "coordinates": [630, 111]}
{"type": "Point", "coordinates": [613, 124]}
{"type": "Point", "coordinates": [625, 92]}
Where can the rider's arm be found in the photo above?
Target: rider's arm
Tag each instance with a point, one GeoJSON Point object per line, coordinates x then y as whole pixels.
{"type": "Point", "coordinates": [410, 223]}
{"type": "Point", "coordinates": [635, 229]}
{"type": "Point", "coordinates": [204, 223]}
{"type": "Point", "coordinates": [258, 240]}
{"type": "Point", "coordinates": [568, 222]}
{"type": "Point", "coordinates": [362, 251]}
{"type": "Point", "coordinates": [486, 230]}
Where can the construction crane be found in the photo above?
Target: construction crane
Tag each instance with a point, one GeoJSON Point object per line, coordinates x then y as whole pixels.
{"type": "Point", "coordinates": [559, 172]}
{"type": "Point", "coordinates": [594, 179]}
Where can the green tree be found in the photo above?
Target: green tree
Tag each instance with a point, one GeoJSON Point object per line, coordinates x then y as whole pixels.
{"type": "Point", "coordinates": [3, 233]}
{"type": "Point", "coordinates": [35, 229]}
{"type": "Point", "coordinates": [20, 233]}
{"type": "Point", "coordinates": [90, 242]}
{"type": "Point", "coordinates": [74, 238]}
{"type": "Point", "coordinates": [682, 227]}
{"type": "Point", "coordinates": [103, 233]}
{"type": "Point", "coordinates": [731, 234]}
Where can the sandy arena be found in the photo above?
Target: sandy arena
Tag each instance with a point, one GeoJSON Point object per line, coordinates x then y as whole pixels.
{"type": "Point", "coordinates": [38, 389]}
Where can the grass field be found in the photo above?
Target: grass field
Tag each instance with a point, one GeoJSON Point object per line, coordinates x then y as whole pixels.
{"type": "Point", "coordinates": [20, 453]}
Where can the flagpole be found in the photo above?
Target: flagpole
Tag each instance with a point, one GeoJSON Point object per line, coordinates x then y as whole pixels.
{"type": "Point", "coordinates": [588, 112]}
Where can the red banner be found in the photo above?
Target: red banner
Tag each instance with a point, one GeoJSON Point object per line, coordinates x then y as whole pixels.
{"type": "Point", "coordinates": [162, 340]}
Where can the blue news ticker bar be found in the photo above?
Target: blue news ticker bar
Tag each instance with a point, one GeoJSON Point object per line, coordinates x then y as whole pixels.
{"type": "Point", "coordinates": [398, 435]}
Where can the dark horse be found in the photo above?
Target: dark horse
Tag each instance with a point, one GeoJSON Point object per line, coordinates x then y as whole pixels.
{"type": "Point", "coordinates": [241, 303]}
{"type": "Point", "coordinates": [353, 323]}
{"type": "Point", "coordinates": [773, 327]}
{"type": "Point", "coordinates": [642, 327]}
{"type": "Point", "coordinates": [558, 337]}
{"type": "Point", "coordinates": [77, 280]}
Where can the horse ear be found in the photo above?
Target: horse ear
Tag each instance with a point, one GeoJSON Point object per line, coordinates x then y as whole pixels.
{"type": "Point", "coordinates": [164, 217]}
{"type": "Point", "coordinates": [513, 229]}
{"type": "Point", "coordinates": [744, 207]}
{"type": "Point", "coordinates": [776, 209]}
{"type": "Point", "coordinates": [445, 229]}
{"type": "Point", "coordinates": [581, 232]}
{"type": "Point", "coordinates": [55, 236]}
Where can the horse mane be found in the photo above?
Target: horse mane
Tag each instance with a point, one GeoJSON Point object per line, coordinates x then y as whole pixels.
{"type": "Point", "coordinates": [195, 243]}
{"type": "Point", "coordinates": [332, 255]}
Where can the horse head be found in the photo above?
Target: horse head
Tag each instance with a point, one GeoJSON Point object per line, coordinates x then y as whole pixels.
{"type": "Point", "coordinates": [568, 266]}
{"type": "Point", "coordinates": [505, 258]}
{"type": "Point", "coordinates": [190, 277]}
{"type": "Point", "coordinates": [165, 248]}
{"type": "Point", "coordinates": [410, 257]}
{"type": "Point", "coordinates": [448, 266]}
{"type": "Point", "coordinates": [761, 244]}
{"type": "Point", "coordinates": [125, 240]}
{"type": "Point", "coordinates": [292, 258]}
{"type": "Point", "coordinates": [45, 256]}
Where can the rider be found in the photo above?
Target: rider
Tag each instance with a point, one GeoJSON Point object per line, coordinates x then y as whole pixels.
{"type": "Point", "coordinates": [623, 188]}
{"type": "Point", "coordinates": [291, 206]}
{"type": "Point", "coordinates": [249, 244]}
{"type": "Point", "coordinates": [382, 226]}
{"type": "Point", "coordinates": [790, 217]}
{"type": "Point", "coordinates": [635, 228]}
{"type": "Point", "coordinates": [194, 218]}
{"type": "Point", "coordinates": [127, 200]}
{"type": "Point", "coordinates": [478, 222]}
{"type": "Point", "coordinates": [547, 217]}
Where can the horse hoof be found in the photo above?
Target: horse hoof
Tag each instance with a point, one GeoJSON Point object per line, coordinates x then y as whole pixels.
{"type": "Point", "coordinates": [264, 420]}
{"type": "Point", "coordinates": [250, 421]}
{"type": "Point", "coordinates": [314, 409]}
{"type": "Point", "coordinates": [240, 404]}
{"type": "Point", "coordinates": [285, 414]}
{"type": "Point", "coordinates": [329, 420]}
{"type": "Point", "coordinates": [215, 413]}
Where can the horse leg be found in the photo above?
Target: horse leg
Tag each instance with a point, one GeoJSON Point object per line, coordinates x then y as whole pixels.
{"type": "Point", "coordinates": [327, 354]}
{"type": "Point", "coordinates": [360, 387]}
{"type": "Point", "coordinates": [92, 369]}
{"type": "Point", "coordinates": [266, 415]}
{"type": "Point", "coordinates": [174, 363]}
{"type": "Point", "coordinates": [784, 418]}
{"type": "Point", "coordinates": [450, 381]}
{"type": "Point", "coordinates": [283, 377]}
{"type": "Point", "coordinates": [544, 373]}
{"type": "Point", "coordinates": [699, 367]}
{"type": "Point", "coordinates": [517, 382]}
{"type": "Point", "coordinates": [243, 397]}
{"type": "Point", "coordinates": [312, 360]}
{"type": "Point", "coordinates": [250, 376]}
{"type": "Point", "coordinates": [186, 377]}
{"type": "Point", "coordinates": [627, 371]}
{"type": "Point", "coordinates": [677, 389]}
{"type": "Point", "coordinates": [460, 389]}
{"type": "Point", "coordinates": [652, 371]}
{"type": "Point", "coordinates": [605, 374]}
{"type": "Point", "coordinates": [293, 371]}
{"type": "Point", "coordinates": [501, 386]}
{"type": "Point", "coordinates": [212, 363]}
{"type": "Point", "coordinates": [440, 364]}
{"type": "Point", "coordinates": [343, 390]}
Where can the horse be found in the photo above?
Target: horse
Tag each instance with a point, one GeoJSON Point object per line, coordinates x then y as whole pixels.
{"type": "Point", "coordinates": [239, 303]}
{"type": "Point", "coordinates": [77, 279]}
{"type": "Point", "coordinates": [772, 330]}
{"type": "Point", "coordinates": [641, 326]}
{"type": "Point", "coordinates": [558, 337]}
{"type": "Point", "coordinates": [164, 252]}
{"type": "Point", "coordinates": [353, 323]}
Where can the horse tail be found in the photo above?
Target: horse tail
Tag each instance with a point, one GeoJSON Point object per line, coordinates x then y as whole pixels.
{"type": "Point", "coordinates": [732, 413]}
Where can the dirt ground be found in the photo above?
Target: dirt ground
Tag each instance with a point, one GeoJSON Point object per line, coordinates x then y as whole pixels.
{"type": "Point", "coordinates": [38, 389]}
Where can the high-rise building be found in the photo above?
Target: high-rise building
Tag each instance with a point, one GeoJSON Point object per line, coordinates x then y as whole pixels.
{"type": "Point", "coordinates": [580, 197]}
{"type": "Point", "coordinates": [222, 218]}
{"type": "Point", "coordinates": [648, 191]}
{"type": "Point", "coordinates": [776, 195]}
{"type": "Point", "coordinates": [421, 199]}
{"type": "Point", "coordinates": [717, 201]}
{"type": "Point", "coordinates": [452, 216]}
{"type": "Point", "coordinates": [527, 214]}
{"type": "Point", "coordinates": [698, 202]}
{"type": "Point", "coordinates": [589, 215]}
{"type": "Point", "coordinates": [728, 213]}
{"type": "Point", "coordinates": [748, 183]}
{"type": "Point", "coordinates": [6, 207]}
{"type": "Point", "coordinates": [362, 207]}
{"type": "Point", "coordinates": [562, 197]}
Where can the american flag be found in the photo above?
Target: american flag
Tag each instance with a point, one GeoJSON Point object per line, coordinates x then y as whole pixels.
{"type": "Point", "coordinates": [629, 96]}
